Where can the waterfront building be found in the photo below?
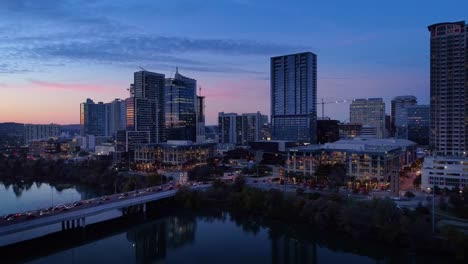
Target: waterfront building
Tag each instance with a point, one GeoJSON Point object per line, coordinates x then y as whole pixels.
{"type": "Point", "coordinates": [370, 112]}
{"type": "Point", "coordinates": [33, 132]}
{"type": "Point", "coordinates": [449, 88]}
{"type": "Point", "coordinates": [293, 94]}
{"type": "Point", "coordinates": [363, 158]}
{"type": "Point", "coordinates": [444, 172]}
{"type": "Point", "coordinates": [173, 153]}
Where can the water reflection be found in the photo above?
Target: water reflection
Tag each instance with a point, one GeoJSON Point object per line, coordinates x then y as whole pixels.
{"type": "Point", "coordinates": [30, 195]}
{"type": "Point", "coordinates": [152, 240]}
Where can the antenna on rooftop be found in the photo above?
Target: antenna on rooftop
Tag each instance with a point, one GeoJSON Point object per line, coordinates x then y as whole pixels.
{"type": "Point", "coordinates": [142, 68]}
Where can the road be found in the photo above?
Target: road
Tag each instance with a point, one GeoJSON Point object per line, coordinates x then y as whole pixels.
{"type": "Point", "coordinates": [21, 217]}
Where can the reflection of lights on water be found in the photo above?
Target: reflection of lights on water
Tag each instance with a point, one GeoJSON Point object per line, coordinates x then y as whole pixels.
{"type": "Point", "coordinates": [133, 245]}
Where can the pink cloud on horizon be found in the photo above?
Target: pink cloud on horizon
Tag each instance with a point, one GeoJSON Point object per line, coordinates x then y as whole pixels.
{"type": "Point", "coordinates": [55, 86]}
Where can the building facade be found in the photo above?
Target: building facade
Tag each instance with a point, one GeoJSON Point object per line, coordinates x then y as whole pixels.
{"type": "Point", "coordinates": [93, 118]}
{"type": "Point", "coordinates": [449, 88]}
{"type": "Point", "coordinates": [369, 112]}
{"type": "Point", "coordinates": [240, 129]}
{"type": "Point", "coordinates": [34, 132]}
{"type": "Point", "coordinates": [116, 116]}
{"type": "Point", "coordinates": [363, 159]}
{"type": "Point", "coordinates": [173, 153]}
{"type": "Point", "coordinates": [145, 110]}
{"type": "Point", "coordinates": [180, 108]}
{"type": "Point", "coordinates": [399, 115]}
{"type": "Point", "coordinates": [200, 119]}
{"type": "Point", "coordinates": [444, 172]}
{"type": "Point", "coordinates": [419, 124]}
{"type": "Point", "coordinates": [293, 94]}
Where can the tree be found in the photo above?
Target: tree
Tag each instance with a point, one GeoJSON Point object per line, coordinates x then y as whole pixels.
{"type": "Point", "coordinates": [417, 181]}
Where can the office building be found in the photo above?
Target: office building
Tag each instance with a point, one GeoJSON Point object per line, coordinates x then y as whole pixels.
{"type": "Point", "coordinates": [200, 119]}
{"type": "Point", "coordinates": [363, 158]}
{"type": "Point", "coordinates": [449, 88]}
{"type": "Point", "coordinates": [34, 132]}
{"type": "Point", "coordinates": [93, 118]}
{"type": "Point", "coordinates": [444, 172]}
{"type": "Point", "coordinates": [419, 124]}
{"type": "Point", "coordinates": [180, 108]}
{"type": "Point", "coordinates": [368, 132]}
{"type": "Point", "coordinates": [370, 112]}
{"type": "Point", "coordinates": [293, 94]}
{"type": "Point", "coordinates": [327, 131]}
{"type": "Point", "coordinates": [399, 116]}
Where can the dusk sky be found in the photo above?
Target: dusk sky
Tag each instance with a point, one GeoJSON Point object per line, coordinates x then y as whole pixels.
{"type": "Point", "coordinates": [56, 53]}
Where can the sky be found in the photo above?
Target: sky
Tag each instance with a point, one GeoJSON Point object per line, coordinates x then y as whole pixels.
{"type": "Point", "coordinates": [56, 53]}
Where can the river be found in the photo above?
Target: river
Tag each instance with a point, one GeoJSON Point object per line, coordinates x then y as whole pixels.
{"type": "Point", "coordinates": [188, 237]}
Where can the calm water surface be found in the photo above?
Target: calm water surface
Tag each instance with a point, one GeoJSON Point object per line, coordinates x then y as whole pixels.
{"type": "Point", "coordinates": [189, 237]}
{"type": "Point", "coordinates": [196, 238]}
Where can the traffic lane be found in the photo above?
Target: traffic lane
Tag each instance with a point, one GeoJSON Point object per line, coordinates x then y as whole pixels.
{"type": "Point", "coordinates": [85, 204]}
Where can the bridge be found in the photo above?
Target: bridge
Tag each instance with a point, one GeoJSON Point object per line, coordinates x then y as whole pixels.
{"type": "Point", "coordinates": [75, 216]}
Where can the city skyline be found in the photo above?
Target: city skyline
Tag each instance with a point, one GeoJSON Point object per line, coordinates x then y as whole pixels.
{"type": "Point", "coordinates": [59, 53]}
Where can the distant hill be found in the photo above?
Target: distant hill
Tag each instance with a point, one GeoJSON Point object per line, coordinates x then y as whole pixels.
{"type": "Point", "coordinates": [11, 129]}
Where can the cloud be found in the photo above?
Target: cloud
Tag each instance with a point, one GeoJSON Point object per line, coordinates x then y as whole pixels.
{"type": "Point", "coordinates": [11, 68]}
{"type": "Point", "coordinates": [54, 86]}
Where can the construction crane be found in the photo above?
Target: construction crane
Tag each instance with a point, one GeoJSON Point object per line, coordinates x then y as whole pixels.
{"type": "Point", "coordinates": [332, 102]}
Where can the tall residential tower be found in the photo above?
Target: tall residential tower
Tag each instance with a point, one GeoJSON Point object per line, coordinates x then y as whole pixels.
{"type": "Point", "coordinates": [449, 88]}
{"type": "Point", "coordinates": [293, 94]}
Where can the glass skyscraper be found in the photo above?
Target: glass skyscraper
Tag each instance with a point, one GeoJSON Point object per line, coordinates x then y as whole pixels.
{"type": "Point", "coordinates": [145, 109]}
{"type": "Point", "coordinates": [293, 94]}
{"type": "Point", "coordinates": [180, 103]}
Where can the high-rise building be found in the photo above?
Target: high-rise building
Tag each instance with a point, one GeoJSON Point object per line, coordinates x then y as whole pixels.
{"type": "Point", "coordinates": [419, 124]}
{"type": "Point", "coordinates": [252, 127]}
{"type": "Point", "coordinates": [116, 116]}
{"type": "Point", "coordinates": [370, 112]}
{"type": "Point", "coordinates": [327, 131]}
{"type": "Point", "coordinates": [93, 118]}
{"type": "Point", "coordinates": [200, 119]}
{"type": "Point", "coordinates": [145, 110]}
{"type": "Point", "coordinates": [399, 119]}
{"type": "Point", "coordinates": [34, 132]}
{"type": "Point", "coordinates": [180, 108]}
{"type": "Point", "coordinates": [240, 129]}
{"type": "Point", "coordinates": [227, 128]}
{"type": "Point", "coordinates": [293, 94]}
{"type": "Point", "coordinates": [449, 88]}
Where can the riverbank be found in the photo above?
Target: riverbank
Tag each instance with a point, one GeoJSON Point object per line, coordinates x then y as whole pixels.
{"type": "Point", "coordinates": [377, 220]}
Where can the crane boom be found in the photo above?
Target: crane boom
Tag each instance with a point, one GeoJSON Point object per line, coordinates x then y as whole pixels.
{"type": "Point", "coordinates": [332, 102]}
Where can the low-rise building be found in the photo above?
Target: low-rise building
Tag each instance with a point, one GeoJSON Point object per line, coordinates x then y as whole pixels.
{"type": "Point", "coordinates": [172, 153]}
{"type": "Point", "coordinates": [363, 158]}
{"type": "Point", "coordinates": [444, 172]}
